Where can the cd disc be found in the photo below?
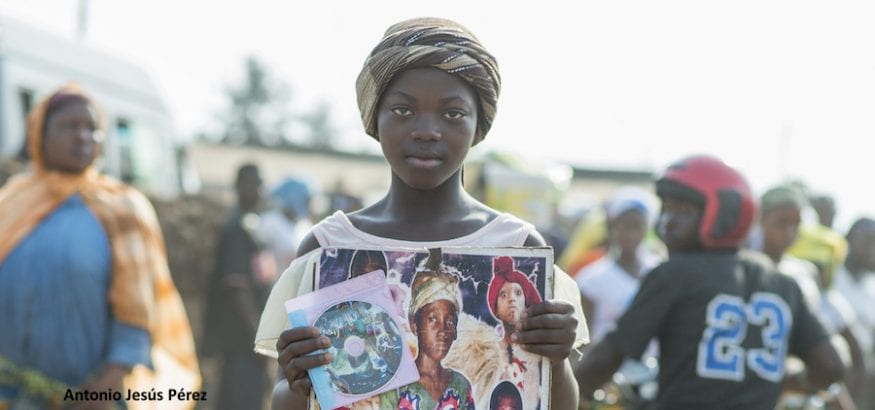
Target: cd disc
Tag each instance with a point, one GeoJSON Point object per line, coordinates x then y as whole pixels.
{"type": "Point", "coordinates": [366, 345]}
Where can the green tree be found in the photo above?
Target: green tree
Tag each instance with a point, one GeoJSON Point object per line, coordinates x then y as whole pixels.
{"type": "Point", "coordinates": [321, 131]}
{"type": "Point", "coordinates": [258, 114]}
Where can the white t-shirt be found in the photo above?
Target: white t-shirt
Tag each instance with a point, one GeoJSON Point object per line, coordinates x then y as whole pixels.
{"type": "Point", "coordinates": [860, 295]}
{"type": "Point", "coordinates": [805, 274]}
{"type": "Point", "coordinates": [611, 289]}
{"type": "Point", "coordinates": [282, 236]}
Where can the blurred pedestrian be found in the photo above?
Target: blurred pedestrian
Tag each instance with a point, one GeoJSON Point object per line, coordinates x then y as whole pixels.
{"type": "Point", "coordinates": [609, 284]}
{"type": "Point", "coordinates": [244, 271]}
{"type": "Point", "coordinates": [855, 280]}
{"type": "Point", "coordinates": [285, 226]}
{"type": "Point", "coordinates": [827, 249]}
{"type": "Point", "coordinates": [780, 219]}
{"type": "Point", "coordinates": [88, 302]}
{"type": "Point", "coordinates": [701, 302]}
{"type": "Point", "coordinates": [825, 207]}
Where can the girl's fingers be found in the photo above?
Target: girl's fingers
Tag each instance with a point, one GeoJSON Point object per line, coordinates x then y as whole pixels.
{"type": "Point", "coordinates": [297, 368]}
{"type": "Point", "coordinates": [544, 336]}
{"type": "Point", "coordinates": [294, 335]}
{"type": "Point", "coordinates": [301, 348]}
{"type": "Point", "coordinates": [550, 306]}
{"type": "Point", "coordinates": [549, 321]}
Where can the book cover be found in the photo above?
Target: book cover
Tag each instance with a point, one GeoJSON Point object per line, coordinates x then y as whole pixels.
{"type": "Point", "coordinates": [461, 305]}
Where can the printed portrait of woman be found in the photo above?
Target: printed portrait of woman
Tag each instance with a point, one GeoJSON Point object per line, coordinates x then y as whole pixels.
{"type": "Point", "coordinates": [434, 314]}
{"type": "Point", "coordinates": [510, 293]}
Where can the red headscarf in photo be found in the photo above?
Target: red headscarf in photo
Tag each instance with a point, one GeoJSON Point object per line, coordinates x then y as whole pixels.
{"type": "Point", "coordinates": [503, 271]}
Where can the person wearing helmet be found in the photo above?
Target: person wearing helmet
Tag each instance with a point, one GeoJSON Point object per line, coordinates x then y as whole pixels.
{"type": "Point", "coordinates": [725, 319]}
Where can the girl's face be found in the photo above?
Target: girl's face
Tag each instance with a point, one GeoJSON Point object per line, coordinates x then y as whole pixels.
{"type": "Point", "coordinates": [780, 227]}
{"type": "Point", "coordinates": [426, 123]}
{"type": "Point", "coordinates": [71, 141]}
{"type": "Point", "coordinates": [435, 328]}
{"type": "Point", "coordinates": [678, 225]}
{"type": "Point", "coordinates": [511, 302]}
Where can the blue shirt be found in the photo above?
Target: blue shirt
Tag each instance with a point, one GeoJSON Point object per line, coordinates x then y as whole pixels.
{"type": "Point", "coordinates": [55, 315]}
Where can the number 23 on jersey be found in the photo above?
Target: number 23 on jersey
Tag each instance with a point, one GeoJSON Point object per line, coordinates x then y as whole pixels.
{"type": "Point", "coordinates": [721, 355]}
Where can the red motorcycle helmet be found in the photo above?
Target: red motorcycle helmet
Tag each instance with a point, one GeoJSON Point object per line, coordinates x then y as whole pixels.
{"type": "Point", "coordinates": [728, 204]}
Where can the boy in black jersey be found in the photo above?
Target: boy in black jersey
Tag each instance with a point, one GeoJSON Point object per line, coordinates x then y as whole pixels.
{"type": "Point", "coordinates": [725, 319]}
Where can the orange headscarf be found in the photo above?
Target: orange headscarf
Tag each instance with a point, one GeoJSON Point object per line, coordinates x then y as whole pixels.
{"type": "Point", "coordinates": [141, 290]}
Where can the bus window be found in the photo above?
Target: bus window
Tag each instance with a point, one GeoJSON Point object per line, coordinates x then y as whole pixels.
{"type": "Point", "coordinates": [123, 138]}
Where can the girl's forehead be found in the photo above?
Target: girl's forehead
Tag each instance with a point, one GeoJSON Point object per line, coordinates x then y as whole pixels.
{"type": "Point", "coordinates": [431, 82]}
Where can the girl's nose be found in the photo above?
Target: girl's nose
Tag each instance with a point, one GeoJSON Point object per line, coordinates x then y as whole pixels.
{"type": "Point", "coordinates": [427, 129]}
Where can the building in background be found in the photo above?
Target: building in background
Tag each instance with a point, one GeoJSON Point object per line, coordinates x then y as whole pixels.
{"type": "Point", "coordinates": [140, 146]}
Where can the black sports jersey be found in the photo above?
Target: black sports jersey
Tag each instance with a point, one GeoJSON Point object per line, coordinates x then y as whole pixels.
{"type": "Point", "coordinates": [725, 322]}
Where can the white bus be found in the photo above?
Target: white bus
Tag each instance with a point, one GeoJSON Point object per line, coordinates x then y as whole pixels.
{"type": "Point", "coordinates": [140, 147]}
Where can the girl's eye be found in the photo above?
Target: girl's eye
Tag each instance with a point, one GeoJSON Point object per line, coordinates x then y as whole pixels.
{"type": "Point", "coordinates": [402, 111]}
{"type": "Point", "coordinates": [454, 114]}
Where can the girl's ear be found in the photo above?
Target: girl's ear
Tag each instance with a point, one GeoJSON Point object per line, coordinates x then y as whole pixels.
{"type": "Point", "coordinates": [413, 328]}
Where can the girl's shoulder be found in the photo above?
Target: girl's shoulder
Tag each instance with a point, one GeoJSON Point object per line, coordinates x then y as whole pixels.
{"type": "Point", "coordinates": [491, 230]}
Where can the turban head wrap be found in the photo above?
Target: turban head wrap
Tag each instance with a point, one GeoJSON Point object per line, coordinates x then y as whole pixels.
{"type": "Point", "coordinates": [503, 271]}
{"type": "Point", "coordinates": [429, 43]}
{"type": "Point", "coordinates": [432, 284]}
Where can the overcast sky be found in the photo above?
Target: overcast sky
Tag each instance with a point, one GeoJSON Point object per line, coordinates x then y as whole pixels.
{"type": "Point", "coordinates": [780, 89]}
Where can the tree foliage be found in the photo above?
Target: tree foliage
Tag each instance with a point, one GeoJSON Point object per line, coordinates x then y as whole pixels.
{"type": "Point", "coordinates": [259, 113]}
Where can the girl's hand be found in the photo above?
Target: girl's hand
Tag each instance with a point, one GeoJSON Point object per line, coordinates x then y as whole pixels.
{"type": "Point", "coordinates": [294, 347]}
{"type": "Point", "coordinates": [548, 329]}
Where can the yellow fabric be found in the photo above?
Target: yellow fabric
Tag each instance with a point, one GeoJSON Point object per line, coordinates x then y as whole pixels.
{"type": "Point", "coordinates": [589, 234]}
{"type": "Point", "coordinates": [822, 246]}
{"type": "Point", "coordinates": [141, 292]}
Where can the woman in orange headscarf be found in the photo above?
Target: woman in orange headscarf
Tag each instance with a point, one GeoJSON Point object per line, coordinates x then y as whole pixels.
{"type": "Point", "coordinates": [88, 301]}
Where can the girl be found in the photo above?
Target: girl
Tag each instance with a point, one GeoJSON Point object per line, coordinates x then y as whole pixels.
{"type": "Point", "coordinates": [427, 94]}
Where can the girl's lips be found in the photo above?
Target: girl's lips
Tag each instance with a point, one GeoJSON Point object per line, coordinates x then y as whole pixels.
{"type": "Point", "coordinates": [424, 162]}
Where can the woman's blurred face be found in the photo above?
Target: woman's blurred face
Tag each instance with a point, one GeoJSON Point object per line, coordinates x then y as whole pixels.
{"type": "Point", "coordinates": [628, 230]}
{"type": "Point", "coordinates": [510, 303]}
{"type": "Point", "coordinates": [71, 140]}
{"type": "Point", "coordinates": [435, 329]}
{"type": "Point", "coordinates": [780, 228]}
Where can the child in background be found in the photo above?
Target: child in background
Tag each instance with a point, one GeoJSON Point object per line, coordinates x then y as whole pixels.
{"type": "Point", "coordinates": [427, 93]}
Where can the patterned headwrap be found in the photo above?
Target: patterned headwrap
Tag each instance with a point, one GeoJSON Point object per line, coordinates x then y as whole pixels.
{"type": "Point", "coordinates": [503, 271]}
{"type": "Point", "coordinates": [429, 42]}
{"type": "Point", "coordinates": [433, 283]}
